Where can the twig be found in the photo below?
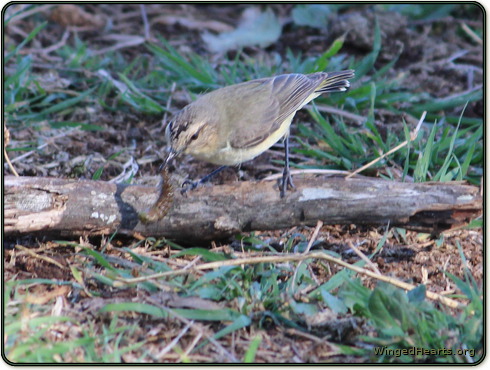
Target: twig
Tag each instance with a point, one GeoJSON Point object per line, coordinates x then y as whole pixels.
{"type": "Point", "coordinates": [454, 56]}
{"type": "Point", "coordinates": [319, 225]}
{"type": "Point", "coordinates": [193, 344]}
{"type": "Point", "coordinates": [43, 258]}
{"type": "Point", "coordinates": [6, 141]}
{"type": "Point", "coordinates": [444, 62]}
{"type": "Point", "coordinates": [127, 41]}
{"type": "Point", "coordinates": [413, 136]}
{"type": "Point", "coordinates": [174, 341]}
{"type": "Point", "coordinates": [30, 12]}
{"type": "Point", "coordinates": [193, 324]}
{"type": "Point", "coordinates": [13, 29]}
{"type": "Point", "coordinates": [46, 51]}
{"type": "Point", "coordinates": [49, 141]}
{"type": "Point", "coordinates": [145, 21]}
{"type": "Point", "coordinates": [56, 46]}
{"type": "Point", "coordinates": [191, 263]}
{"type": "Point", "coordinates": [12, 169]}
{"type": "Point", "coordinates": [457, 95]}
{"type": "Point", "coordinates": [471, 34]}
{"type": "Point", "coordinates": [313, 338]}
{"type": "Point", "coordinates": [42, 248]}
{"type": "Point", "coordinates": [364, 258]}
{"type": "Point", "coordinates": [328, 109]}
{"type": "Point", "coordinates": [121, 282]}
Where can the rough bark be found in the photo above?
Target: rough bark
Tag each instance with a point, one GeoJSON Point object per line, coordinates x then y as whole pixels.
{"type": "Point", "coordinates": [51, 206]}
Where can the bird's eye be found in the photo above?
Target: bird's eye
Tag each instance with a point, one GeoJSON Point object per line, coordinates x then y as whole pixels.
{"type": "Point", "coordinates": [194, 137]}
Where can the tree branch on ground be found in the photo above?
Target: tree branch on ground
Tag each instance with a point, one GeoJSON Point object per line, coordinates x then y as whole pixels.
{"type": "Point", "coordinates": [52, 206]}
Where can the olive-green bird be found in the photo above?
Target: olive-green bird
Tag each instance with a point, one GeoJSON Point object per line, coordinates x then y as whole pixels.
{"type": "Point", "coordinates": [236, 123]}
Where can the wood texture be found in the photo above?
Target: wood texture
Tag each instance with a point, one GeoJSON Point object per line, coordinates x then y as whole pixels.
{"type": "Point", "coordinates": [51, 206]}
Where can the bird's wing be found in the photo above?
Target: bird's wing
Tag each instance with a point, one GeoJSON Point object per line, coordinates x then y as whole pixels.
{"type": "Point", "coordinates": [266, 103]}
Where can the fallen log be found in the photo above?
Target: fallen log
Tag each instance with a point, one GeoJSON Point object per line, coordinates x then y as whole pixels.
{"type": "Point", "coordinates": [59, 207]}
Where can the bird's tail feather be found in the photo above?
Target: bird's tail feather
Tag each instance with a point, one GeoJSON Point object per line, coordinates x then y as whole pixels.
{"type": "Point", "coordinates": [336, 81]}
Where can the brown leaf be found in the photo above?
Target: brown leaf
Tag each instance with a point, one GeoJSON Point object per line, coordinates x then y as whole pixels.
{"type": "Point", "coordinates": [193, 24]}
{"type": "Point", "coordinates": [73, 15]}
{"type": "Point", "coordinates": [46, 297]}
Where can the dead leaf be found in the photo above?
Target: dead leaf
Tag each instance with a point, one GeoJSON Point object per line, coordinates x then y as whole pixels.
{"type": "Point", "coordinates": [73, 15]}
{"type": "Point", "coordinates": [47, 296]}
{"type": "Point", "coordinates": [58, 306]}
{"type": "Point", "coordinates": [193, 24]}
{"type": "Point", "coordinates": [256, 28]}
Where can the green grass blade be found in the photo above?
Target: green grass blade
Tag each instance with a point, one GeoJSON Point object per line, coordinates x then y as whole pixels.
{"type": "Point", "coordinates": [176, 62]}
{"type": "Point", "coordinates": [67, 103]}
{"type": "Point", "coordinates": [422, 166]}
{"type": "Point", "coordinates": [139, 100]}
{"type": "Point", "coordinates": [467, 161]}
{"type": "Point", "coordinates": [80, 125]}
{"type": "Point", "coordinates": [99, 258]}
{"type": "Point", "coordinates": [251, 353]}
{"type": "Point", "coordinates": [322, 62]}
{"type": "Point", "coordinates": [442, 104]}
{"type": "Point", "coordinates": [406, 166]}
{"type": "Point", "coordinates": [206, 254]}
{"type": "Point", "coordinates": [224, 314]}
{"type": "Point", "coordinates": [240, 322]}
{"type": "Point", "coordinates": [34, 323]}
{"type": "Point", "coordinates": [442, 173]}
{"type": "Point", "coordinates": [367, 63]}
{"type": "Point", "coordinates": [29, 37]}
{"type": "Point", "coordinates": [18, 78]}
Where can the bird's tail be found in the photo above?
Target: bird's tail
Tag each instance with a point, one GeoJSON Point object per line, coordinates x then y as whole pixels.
{"type": "Point", "coordinates": [335, 81]}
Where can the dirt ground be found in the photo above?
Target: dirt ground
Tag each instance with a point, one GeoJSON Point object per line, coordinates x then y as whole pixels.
{"type": "Point", "coordinates": [426, 46]}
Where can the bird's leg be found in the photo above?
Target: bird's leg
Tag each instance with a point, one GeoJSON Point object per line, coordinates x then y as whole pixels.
{"type": "Point", "coordinates": [191, 185]}
{"type": "Point", "coordinates": [287, 181]}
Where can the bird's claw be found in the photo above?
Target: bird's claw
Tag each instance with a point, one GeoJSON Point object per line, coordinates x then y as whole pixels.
{"type": "Point", "coordinates": [189, 185]}
{"type": "Point", "coordinates": [286, 183]}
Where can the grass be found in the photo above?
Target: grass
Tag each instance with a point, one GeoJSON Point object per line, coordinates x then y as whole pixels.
{"type": "Point", "coordinates": [255, 299]}
{"type": "Point", "coordinates": [27, 102]}
{"type": "Point", "coordinates": [264, 294]}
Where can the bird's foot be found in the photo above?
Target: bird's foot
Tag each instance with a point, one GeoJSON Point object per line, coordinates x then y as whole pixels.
{"type": "Point", "coordinates": [286, 182]}
{"type": "Point", "coordinates": [191, 185]}
{"type": "Point", "coordinates": [188, 185]}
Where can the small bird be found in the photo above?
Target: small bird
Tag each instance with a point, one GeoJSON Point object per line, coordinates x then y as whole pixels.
{"type": "Point", "coordinates": [236, 123]}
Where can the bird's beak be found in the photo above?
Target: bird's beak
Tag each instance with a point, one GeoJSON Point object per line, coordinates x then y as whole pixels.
{"type": "Point", "coordinates": [171, 155]}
